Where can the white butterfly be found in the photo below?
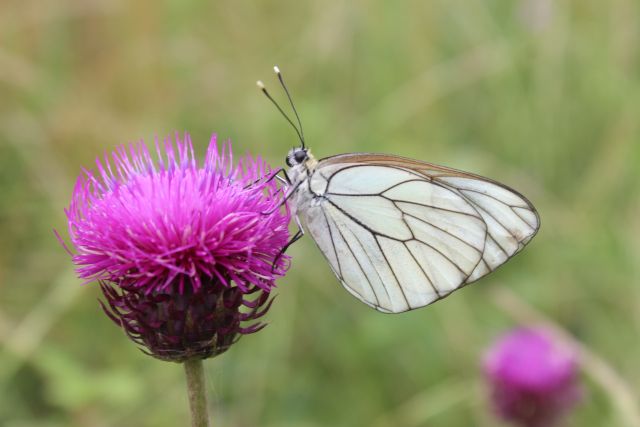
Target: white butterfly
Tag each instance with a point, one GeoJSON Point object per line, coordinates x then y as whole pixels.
{"type": "Point", "coordinates": [400, 233]}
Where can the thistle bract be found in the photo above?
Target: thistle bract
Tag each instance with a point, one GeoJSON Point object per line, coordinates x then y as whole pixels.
{"type": "Point", "coordinates": [186, 253]}
{"type": "Point", "coordinates": [533, 378]}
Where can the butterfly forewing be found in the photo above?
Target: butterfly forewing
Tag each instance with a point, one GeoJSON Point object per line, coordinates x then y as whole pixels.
{"type": "Point", "coordinates": [401, 234]}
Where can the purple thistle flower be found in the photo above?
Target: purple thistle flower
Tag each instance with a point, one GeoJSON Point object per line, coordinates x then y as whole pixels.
{"type": "Point", "coordinates": [184, 253]}
{"type": "Point", "coordinates": [533, 379]}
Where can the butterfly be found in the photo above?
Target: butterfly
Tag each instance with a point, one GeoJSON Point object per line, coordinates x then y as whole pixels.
{"type": "Point", "coordinates": [400, 233]}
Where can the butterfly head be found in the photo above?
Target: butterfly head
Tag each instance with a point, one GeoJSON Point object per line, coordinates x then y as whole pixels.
{"type": "Point", "coordinates": [297, 156]}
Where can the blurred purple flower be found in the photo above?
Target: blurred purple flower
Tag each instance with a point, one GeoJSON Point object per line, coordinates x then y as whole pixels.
{"type": "Point", "coordinates": [533, 379]}
{"type": "Point", "coordinates": [184, 253]}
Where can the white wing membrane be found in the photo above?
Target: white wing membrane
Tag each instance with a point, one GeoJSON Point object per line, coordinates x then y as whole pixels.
{"type": "Point", "coordinates": [401, 234]}
{"type": "Point", "coordinates": [365, 179]}
{"type": "Point", "coordinates": [374, 213]}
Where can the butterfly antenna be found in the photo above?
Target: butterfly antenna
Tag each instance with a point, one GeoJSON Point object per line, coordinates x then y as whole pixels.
{"type": "Point", "coordinates": [286, 90]}
{"type": "Point", "coordinates": [266, 93]}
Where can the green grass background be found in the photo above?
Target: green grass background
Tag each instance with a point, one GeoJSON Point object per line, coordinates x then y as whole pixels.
{"type": "Point", "coordinates": [540, 94]}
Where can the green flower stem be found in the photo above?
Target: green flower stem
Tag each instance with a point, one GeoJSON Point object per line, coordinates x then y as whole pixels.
{"type": "Point", "coordinates": [197, 393]}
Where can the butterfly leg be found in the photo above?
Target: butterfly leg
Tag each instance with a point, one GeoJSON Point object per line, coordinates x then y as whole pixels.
{"type": "Point", "coordinates": [284, 200]}
{"type": "Point", "coordinates": [291, 241]}
{"type": "Point", "coordinates": [282, 180]}
{"type": "Point", "coordinates": [275, 175]}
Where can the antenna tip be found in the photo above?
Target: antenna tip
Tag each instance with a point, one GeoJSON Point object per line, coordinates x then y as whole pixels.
{"type": "Point", "coordinates": [260, 84]}
{"type": "Point", "coordinates": [276, 69]}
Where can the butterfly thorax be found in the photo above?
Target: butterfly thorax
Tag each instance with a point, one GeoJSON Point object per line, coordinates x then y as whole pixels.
{"type": "Point", "coordinates": [311, 161]}
{"type": "Point", "coordinates": [301, 167]}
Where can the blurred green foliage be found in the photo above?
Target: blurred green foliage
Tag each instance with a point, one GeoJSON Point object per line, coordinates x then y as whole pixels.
{"type": "Point", "coordinates": [540, 94]}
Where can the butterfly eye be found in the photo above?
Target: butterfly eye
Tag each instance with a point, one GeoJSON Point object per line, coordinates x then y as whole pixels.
{"type": "Point", "coordinates": [300, 156]}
